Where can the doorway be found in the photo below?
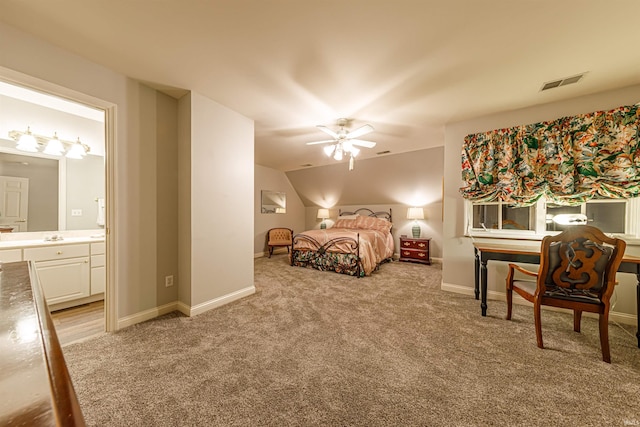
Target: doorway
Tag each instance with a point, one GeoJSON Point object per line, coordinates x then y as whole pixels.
{"type": "Point", "coordinates": [45, 111]}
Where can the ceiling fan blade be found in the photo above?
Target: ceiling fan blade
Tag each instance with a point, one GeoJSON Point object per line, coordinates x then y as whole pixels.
{"type": "Point", "coordinates": [361, 143]}
{"type": "Point", "coordinates": [362, 130]}
{"type": "Point", "coordinates": [321, 142]}
{"type": "Point", "coordinates": [328, 131]}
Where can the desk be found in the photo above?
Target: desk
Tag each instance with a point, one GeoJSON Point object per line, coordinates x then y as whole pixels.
{"type": "Point", "coordinates": [530, 254]}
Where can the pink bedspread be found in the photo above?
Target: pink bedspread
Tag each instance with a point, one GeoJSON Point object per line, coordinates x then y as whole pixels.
{"type": "Point", "coordinates": [375, 246]}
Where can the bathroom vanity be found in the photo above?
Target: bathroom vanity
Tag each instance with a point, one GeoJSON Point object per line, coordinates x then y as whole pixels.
{"type": "Point", "coordinates": [71, 271]}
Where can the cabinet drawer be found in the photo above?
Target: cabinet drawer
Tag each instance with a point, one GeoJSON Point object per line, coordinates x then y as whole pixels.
{"type": "Point", "coordinates": [414, 254]}
{"type": "Point", "coordinates": [56, 252]}
{"type": "Point", "coordinates": [11, 255]}
{"type": "Point", "coordinates": [97, 248]}
{"type": "Point", "coordinates": [414, 244]}
{"type": "Point", "coordinates": [97, 261]}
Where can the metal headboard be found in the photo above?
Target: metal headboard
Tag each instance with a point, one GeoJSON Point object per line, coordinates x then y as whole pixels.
{"type": "Point", "coordinates": [368, 212]}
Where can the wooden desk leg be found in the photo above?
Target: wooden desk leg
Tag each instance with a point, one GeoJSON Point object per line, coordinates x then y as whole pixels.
{"type": "Point", "coordinates": [483, 287]}
{"type": "Point", "coordinates": [476, 285]}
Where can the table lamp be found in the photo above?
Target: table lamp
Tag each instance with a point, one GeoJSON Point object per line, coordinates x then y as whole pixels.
{"type": "Point", "coordinates": [415, 214]}
{"type": "Point", "coordinates": [323, 214]}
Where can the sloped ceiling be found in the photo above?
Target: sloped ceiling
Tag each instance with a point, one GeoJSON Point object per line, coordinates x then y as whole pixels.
{"type": "Point", "coordinates": [407, 67]}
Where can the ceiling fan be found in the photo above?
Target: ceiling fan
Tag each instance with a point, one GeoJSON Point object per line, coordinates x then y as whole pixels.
{"type": "Point", "coordinates": [344, 142]}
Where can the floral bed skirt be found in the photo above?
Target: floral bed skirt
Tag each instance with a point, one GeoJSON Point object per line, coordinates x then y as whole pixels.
{"type": "Point", "coordinates": [328, 261]}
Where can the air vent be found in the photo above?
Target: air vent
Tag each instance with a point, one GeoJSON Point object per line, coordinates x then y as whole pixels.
{"type": "Point", "coordinates": [562, 82]}
{"type": "Point", "coordinates": [383, 152]}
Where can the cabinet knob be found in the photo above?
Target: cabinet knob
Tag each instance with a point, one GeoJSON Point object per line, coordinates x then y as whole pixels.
{"type": "Point", "coordinates": [422, 255]}
{"type": "Point", "coordinates": [59, 252]}
{"type": "Point", "coordinates": [406, 243]}
{"type": "Point", "coordinates": [422, 245]}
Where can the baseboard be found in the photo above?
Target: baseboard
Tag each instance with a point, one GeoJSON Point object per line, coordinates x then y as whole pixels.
{"type": "Point", "coordinates": [76, 302]}
{"type": "Point", "coordinates": [147, 315]}
{"type": "Point", "coordinates": [184, 308]}
{"type": "Point", "coordinates": [217, 302]}
{"type": "Point", "coordinates": [276, 251]}
{"type": "Point", "coordinates": [624, 318]}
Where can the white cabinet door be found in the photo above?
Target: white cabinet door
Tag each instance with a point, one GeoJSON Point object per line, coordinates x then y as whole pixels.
{"type": "Point", "coordinates": [98, 280]}
{"type": "Point", "coordinates": [65, 279]}
{"type": "Point", "coordinates": [14, 202]}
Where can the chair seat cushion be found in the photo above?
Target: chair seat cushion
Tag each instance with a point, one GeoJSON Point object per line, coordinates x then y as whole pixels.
{"type": "Point", "coordinates": [557, 292]}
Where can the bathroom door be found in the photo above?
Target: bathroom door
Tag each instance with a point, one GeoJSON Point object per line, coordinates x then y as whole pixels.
{"type": "Point", "coordinates": [14, 203]}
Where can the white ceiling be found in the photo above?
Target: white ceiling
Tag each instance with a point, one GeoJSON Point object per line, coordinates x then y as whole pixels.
{"type": "Point", "coordinates": [407, 67]}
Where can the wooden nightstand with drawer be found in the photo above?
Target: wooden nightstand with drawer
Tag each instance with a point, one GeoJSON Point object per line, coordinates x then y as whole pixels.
{"type": "Point", "coordinates": [414, 250]}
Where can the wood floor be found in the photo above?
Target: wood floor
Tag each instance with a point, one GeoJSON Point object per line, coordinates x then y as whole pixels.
{"type": "Point", "coordinates": [79, 323]}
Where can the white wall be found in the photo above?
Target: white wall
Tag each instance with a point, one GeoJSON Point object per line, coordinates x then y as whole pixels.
{"type": "Point", "coordinates": [145, 218]}
{"type": "Point", "coordinates": [222, 201]}
{"type": "Point", "coordinates": [458, 266]}
{"type": "Point", "coordinates": [274, 180]}
{"type": "Point", "coordinates": [85, 183]}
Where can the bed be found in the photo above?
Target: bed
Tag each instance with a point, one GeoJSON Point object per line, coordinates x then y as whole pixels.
{"type": "Point", "coordinates": [356, 245]}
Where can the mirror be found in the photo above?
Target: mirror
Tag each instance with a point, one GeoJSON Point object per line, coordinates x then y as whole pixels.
{"type": "Point", "coordinates": [62, 194]}
{"type": "Point", "coordinates": [41, 192]}
{"type": "Point", "coordinates": [274, 202]}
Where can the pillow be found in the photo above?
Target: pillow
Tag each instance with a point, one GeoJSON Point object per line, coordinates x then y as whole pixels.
{"type": "Point", "coordinates": [348, 216]}
{"type": "Point", "coordinates": [373, 223]}
{"type": "Point", "coordinates": [345, 223]}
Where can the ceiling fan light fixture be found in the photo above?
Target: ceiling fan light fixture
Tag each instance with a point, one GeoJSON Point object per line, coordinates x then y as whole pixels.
{"type": "Point", "coordinates": [345, 141]}
{"type": "Point", "coordinates": [328, 150]}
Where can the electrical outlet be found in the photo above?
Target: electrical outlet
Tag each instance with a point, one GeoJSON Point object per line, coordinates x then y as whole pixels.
{"type": "Point", "coordinates": [76, 212]}
{"type": "Point", "coordinates": [168, 281]}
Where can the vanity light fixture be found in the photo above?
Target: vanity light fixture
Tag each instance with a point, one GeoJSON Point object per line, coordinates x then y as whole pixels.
{"type": "Point", "coordinates": [77, 150]}
{"type": "Point", "coordinates": [27, 141]}
{"type": "Point", "coordinates": [54, 146]}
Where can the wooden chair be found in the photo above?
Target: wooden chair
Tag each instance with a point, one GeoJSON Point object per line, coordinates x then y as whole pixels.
{"type": "Point", "coordinates": [577, 271]}
{"type": "Point", "coordinates": [278, 237]}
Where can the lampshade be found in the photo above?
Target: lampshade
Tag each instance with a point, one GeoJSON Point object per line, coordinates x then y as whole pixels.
{"type": "Point", "coordinates": [415, 213]}
{"type": "Point", "coordinates": [77, 151]}
{"type": "Point", "coordinates": [27, 142]}
{"type": "Point", "coordinates": [54, 146]}
{"type": "Point", "coordinates": [323, 213]}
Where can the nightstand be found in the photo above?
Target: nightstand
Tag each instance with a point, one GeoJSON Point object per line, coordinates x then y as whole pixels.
{"type": "Point", "coordinates": [414, 250]}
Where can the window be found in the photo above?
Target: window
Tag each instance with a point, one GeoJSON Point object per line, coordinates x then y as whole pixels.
{"type": "Point", "coordinates": [607, 215]}
{"type": "Point", "coordinates": [614, 216]}
{"type": "Point", "coordinates": [500, 216]}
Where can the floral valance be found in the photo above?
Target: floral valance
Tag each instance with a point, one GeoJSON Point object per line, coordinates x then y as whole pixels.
{"type": "Point", "coordinates": [569, 160]}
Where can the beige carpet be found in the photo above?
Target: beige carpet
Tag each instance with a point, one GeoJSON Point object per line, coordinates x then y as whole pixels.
{"type": "Point", "coordinates": [315, 348]}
